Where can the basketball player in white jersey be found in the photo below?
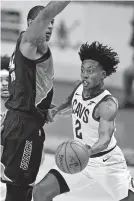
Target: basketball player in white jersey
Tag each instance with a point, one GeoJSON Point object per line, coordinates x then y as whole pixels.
{"type": "Point", "coordinates": [94, 111]}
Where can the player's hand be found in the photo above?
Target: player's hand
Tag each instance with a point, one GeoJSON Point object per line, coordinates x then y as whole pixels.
{"type": "Point", "coordinates": [51, 114]}
{"type": "Point", "coordinates": [88, 149]}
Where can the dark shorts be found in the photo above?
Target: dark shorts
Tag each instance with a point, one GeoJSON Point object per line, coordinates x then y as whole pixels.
{"type": "Point", "coordinates": [22, 143]}
{"type": "Point", "coordinates": [17, 193]}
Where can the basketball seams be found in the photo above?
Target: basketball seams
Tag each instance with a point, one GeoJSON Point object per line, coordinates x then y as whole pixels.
{"type": "Point", "coordinates": [76, 155]}
{"type": "Point", "coordinates": [65, 157]}
{"type": "Point", "coordinates": [71, 149]}
{"type": "Point", "coordinates": [80, 146]}
{"type": "Point", "coordinates": [57, 153]}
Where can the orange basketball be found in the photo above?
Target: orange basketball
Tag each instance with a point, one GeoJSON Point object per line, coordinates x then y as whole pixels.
{"type": "Point", "coordinates": [71, 156]}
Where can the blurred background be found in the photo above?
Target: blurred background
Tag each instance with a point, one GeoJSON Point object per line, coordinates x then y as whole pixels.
{"type": "Point", "coordinates": [109, 22]}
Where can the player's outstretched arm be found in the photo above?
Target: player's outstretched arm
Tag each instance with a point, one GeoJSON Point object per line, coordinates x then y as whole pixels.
{"type": "Point", "coordinates": [64, 107]}
{"type": "Point", "coordinates": [107, 111]}
{"type": "Point", "coordinates": [35, 34]}
{"type": "Point", "coordinates": [52, 112]}
{"type": "Point", "coordinates": [68, 102]}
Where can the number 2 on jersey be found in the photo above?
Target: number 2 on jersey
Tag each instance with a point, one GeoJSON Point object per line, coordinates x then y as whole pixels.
{"type": "Point", "coordinates": [77, 129]}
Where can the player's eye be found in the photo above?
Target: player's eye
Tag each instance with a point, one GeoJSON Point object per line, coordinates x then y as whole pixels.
{"type": "Point", "coordinates": [90, 71]}
{"type": "Point", "coordinates": [82, 70]}
{"type": "Point", "coordinates": [52, 22]}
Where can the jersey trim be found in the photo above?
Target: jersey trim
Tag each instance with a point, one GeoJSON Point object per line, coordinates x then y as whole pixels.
{"type": "Point", "coordinates": [44, 103]}
{"type": "Point", "coordinates": [44, 57]}
{"type": "Point", "coordinates": [18, 46]}
{"type": "Point", "coordinates": [102, 153]}
{"type": "Point", "coordinates": [40, 60]}
{"type": "Point", "coordinates": [89, 98]}
{"type": "Point", "coordinates": [104, 98]}
{"type": "Point", "coordinates": [70, 97]}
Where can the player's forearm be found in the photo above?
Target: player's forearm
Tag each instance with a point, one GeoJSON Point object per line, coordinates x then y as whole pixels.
{"type": "Point", "coordinates": [63, 106]}
{"type": "Point", "coordinates": [52, 9]}
{"type": "Point", "coordinates": [99, 146]}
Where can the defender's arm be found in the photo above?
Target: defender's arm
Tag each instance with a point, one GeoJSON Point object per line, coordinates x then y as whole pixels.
{"type": "Point", "coordinates": [67, 103]}
{"type": "Point", "coordinates": [35, 34]}
{"type": "Point", "coordinates": [64, 107]}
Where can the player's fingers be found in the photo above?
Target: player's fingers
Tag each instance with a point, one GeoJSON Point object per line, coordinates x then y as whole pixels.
{"type": "Point", "coordinates": [52, 113]}
{"type": "Point", "coordinates": [49, 116]}
{"type": "Point", "coordinates": [88, 148]}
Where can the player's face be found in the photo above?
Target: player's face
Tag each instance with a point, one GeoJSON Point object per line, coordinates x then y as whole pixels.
{"type": "Point", "coordinates": [4, 76]}
{"type": "Point", "coordinates": [49, 30]}
{"type": "Point", "coordinates": [92, 74]}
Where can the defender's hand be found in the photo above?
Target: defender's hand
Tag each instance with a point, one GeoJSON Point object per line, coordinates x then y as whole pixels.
{"type": "Point", "coordinates": [51, 114]}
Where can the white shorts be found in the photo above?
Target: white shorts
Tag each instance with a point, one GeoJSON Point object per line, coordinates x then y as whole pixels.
{"type": "Point", "coordinates": [109, 170]}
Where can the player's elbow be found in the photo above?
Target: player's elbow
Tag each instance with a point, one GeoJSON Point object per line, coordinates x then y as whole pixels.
{"type": "Point", "coordinates": [105, 141]}
{"type": "Point", "coordinates": [104, 144]}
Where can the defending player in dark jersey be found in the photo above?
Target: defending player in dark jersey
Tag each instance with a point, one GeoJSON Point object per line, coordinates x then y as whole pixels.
{"type": "Point", "coordinates": [23, 136]}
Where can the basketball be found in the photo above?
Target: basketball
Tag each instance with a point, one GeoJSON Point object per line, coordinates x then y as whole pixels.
{"type": "Point", "coordinates": [71, 156]}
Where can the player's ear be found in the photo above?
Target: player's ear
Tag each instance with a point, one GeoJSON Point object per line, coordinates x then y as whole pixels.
{"type": "Point", "coordinates": [29, 21]}
{"type": "Point", "coordinates": [103, 75]}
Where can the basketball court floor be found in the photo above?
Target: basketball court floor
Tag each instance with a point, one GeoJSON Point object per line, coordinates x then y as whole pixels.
{"type": "Point", "coordinates": [89, 193]}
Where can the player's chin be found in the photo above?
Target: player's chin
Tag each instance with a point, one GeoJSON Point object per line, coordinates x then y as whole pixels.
{"type": "Point", "coordinates": [5, 95]}
{"type": "Point", "coordinates": [48, 37]}
{"type": "Point", "coordinates": [86, 86]}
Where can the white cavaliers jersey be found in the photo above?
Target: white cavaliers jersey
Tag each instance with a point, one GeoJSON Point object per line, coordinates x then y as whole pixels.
{"type": "Point", "coordinates": [85, 125]}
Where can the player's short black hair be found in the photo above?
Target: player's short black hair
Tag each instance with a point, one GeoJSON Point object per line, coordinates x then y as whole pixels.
{"type": "Point", "coordinates": [105, 55]}
{"type": "Point", "coordinates": [5, 62]}
{"type": "Point", "coordinates": [34, 12]}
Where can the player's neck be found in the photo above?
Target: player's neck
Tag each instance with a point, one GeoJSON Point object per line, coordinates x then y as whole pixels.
{"type": "Point", "coordinates": [90, 93]}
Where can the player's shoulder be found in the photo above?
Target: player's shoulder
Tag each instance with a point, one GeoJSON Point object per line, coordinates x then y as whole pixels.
{"type": "Point", "coordinates": [19, 42]}
{"type": "Point", "coordinates": [109, 103]}
{"type": "Point", "coordinates": [110, 100]}
{"type": "Point", "coordinates": [108, 108]}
